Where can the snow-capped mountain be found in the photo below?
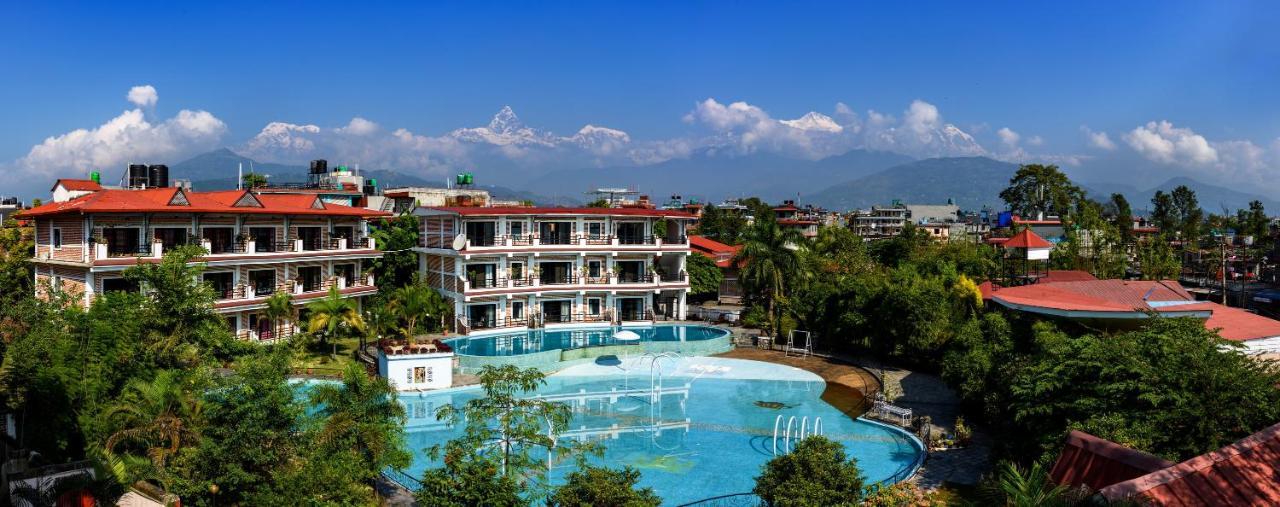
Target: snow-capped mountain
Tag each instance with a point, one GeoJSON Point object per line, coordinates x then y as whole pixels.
{"type": "Point", "coordinates": [814, 122]}
{"type": "Point", "coordinates": [281, 137]}
{"type": "Point", "coordinates": [506, 129]}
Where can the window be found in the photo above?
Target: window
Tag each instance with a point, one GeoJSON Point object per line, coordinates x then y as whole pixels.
{"type": "Point", "coordinates": [595, 229]}
{"type": "Point", "coordinates": [517, 228]}
{"type": "Point", "coordinates": [517, 309]}
{"type": "Point", "coordinates": [517, 270]}
{"type": "Point", "coordinates": [593, 306]}
{"type": "Point", "coordinates": [170, 237]}
{"type": "Point", "coordinates": [593, 269]}
{"type": "Point", "coordinates": [263, 281]}
{"type": "Point", "coordinates": [419, 374]}
{"type": "Point", "coordinates": [57, 237]}
{"type": "Point", "coordinates": [264, 238]}
{"type": "Point", "coordinates": [56, 284]}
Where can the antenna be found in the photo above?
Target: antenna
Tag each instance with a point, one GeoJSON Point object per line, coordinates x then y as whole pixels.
{"type": "Point", "coordinates": [240, 176]}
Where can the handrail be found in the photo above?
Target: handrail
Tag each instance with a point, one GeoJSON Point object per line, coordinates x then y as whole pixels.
{"type": "Point", "coordinates": [729, 500]}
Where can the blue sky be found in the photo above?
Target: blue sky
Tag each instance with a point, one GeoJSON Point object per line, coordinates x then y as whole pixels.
{"type": "Point", "coordinates": [1042, 70]}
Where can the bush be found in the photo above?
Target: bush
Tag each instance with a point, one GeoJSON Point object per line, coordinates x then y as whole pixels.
{"type": "Point", "coordinates": [815, 474]}
{"type": "Point", "coordinates": [603, 486]}
{"type": "Point", "coordinates": [963, 432]}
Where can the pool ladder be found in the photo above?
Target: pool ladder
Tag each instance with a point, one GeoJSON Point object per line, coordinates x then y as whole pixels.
{"type": "Point", "coordinates": [804, 430]}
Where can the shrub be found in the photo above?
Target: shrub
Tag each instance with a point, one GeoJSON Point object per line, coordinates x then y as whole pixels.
{"type": "Point", "coordinates": [816, 473]}
{"type": "Point", "coordinates": [603, 486]}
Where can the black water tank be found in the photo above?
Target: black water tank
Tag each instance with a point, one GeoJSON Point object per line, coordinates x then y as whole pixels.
{"type": "Point", "coordinates": [319, 166]}
{"type": "Point", "coordinates": [138, 176]}
{"type": "Point", "coordinates": [158, 176]}
{"type": "Point", "coordinates": [370, 188]}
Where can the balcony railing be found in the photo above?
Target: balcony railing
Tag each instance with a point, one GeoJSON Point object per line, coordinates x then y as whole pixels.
{"type": "Point", "coordinates": [596, 239]}
{"type": "Point", "coordinates": [140, 251]}
{"type": "Point", "coordinates": [551, 279]}
{"type": "Point", "coordinates": [482, 240]}
{"type": "Point", "coordinates": [635, 278]}
{"type": "Point", "coordinates": [673, 277]}
{"type": "Point", "coordinates": [635, 240]}
{"type": "Point", "coordinates": [636, 315]}
{"type": "Point", "coordinates": [520, 240]}
{"type": "Point", "coordinates": [486, 282]}
{"type": "Point", "coordinates": [557, 240]}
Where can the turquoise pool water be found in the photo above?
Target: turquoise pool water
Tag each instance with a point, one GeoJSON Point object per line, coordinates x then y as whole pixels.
{"type": "Point", "coordinates": [705, 434]}
{"type": "Point", "coordinates": [541, 340]}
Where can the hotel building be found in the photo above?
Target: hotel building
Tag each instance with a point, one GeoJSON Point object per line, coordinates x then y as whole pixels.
{"type": "Point", "coordinates": [257, 244]}
{"type": "Point", "coordinates": [520, 267]}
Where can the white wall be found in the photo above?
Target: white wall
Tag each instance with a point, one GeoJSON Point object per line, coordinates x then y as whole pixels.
{"type": "Point", "coordinates": [400, 370]}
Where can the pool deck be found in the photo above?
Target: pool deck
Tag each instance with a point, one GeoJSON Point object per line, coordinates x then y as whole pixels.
{"type": "Point", "coordinates": [848, 386]}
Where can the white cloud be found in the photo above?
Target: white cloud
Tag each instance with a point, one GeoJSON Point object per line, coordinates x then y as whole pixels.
{"type": "Point", "coordinates": [1035, 141]}
{"type": "Point", "coordinates": [1008, 136]}
{"type": "Point", "coordinates": [1162, 142]}
{"type": "Point", "coordinates": [360, 127]}
{"type": "Point", "coordinates": [126, 138]}
{"type": "Point", "coordinates": [922, 132]}
{"type": "Point", "coordinates": [143, 96]}
{"type": "Point", "coordinates": [359, 141]}
{"type": "Point", "coordinates": [1099, 140]}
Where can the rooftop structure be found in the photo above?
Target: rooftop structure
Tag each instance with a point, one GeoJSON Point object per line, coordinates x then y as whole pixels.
{"type": "Point", "coordinates": [730, 288]}
{"type": "Point", "coordinates": [1243, 473]}
{"type": "Point", "coordinates": [256, 243]}
{"type": "Point", "coordinates": [1121, 304]}
{"type": "Point", "coordinates": [523, 267]}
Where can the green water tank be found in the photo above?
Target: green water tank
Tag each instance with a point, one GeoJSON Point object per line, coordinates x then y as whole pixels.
{"type": "Point", "coordinates": [97, 178]}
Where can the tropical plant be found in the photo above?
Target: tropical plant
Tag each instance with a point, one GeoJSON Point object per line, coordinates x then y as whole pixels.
{"type": "Point", "coordinates": [770, 264]}
{"type": "Point", "coordinates": [160, 417]}
{"type": "Point", "coordinates": [396, 238]}
{"type": "Point", "coordinates": [280, 311]}
{"type": "Point", "coordinates": [333, 317]}
{"type": "Point", "coordinates": [361, 416]}
{"type": "Point", "coordinates": [1014, 486]}
{"type": "Point", "coordinates": [704, 276]}
{"type": "Point", "coordinates": [591, 485]}
{"type": "Point", "coordinates": [255, 180]}
{"type": "Point", "coordinates": [815, 474]}
{"type": "Point", "coordinates": [416, 301]}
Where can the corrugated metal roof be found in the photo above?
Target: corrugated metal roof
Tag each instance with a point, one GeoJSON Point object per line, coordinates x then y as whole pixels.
{"type": "Point", "coordinates": [520, 210]}
{"type": "Point", "coordinates": [155, 200]}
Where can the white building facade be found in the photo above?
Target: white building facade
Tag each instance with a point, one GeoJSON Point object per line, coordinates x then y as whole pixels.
{"type": "Point", "coordinates": [519, 267]}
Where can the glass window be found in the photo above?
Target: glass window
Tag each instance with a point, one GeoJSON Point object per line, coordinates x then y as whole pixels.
{"type": "Point", "coordinates": [419, 374]}
{"type": "Point", "coordinates": [57, 237]}
{"type": "Point", "coordinates": [593, 306]}
{"type": "Point", "coordinates": [517, 228]}
{"type": "Point", "coordinates": [595, 229]}
{"type": "Point", "coordinates": [517, 310]}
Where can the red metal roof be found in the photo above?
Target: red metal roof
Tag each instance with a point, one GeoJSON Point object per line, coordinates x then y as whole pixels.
{"type": "Point", "coordinates": [1244, 473]}
{"type": "Point", "coordinates": [796, 221]}
{"type": "Point", "coordinates": [520, 210]}
{"type": "Point", "coordinates": [81, 185]}
{"type": "Point", "coordinates": [1238, 325]}
{"type": "Point", "coordinates": [155, 200]}
{"type": "Point", "coordinates": [1066, 275]}
{"type": "Point", "coordinates": [1096, 295]}
{"type": "Point", "coordinates": [1027, 239]}
{"type": "Point", "coordinates": [1098, 463]}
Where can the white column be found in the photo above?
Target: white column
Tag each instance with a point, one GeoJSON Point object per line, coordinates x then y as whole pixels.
{"type": "Point", "coordinates": [680, 305]}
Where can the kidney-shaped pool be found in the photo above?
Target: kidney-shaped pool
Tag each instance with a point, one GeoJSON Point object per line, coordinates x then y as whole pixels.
{"type": "Point", "coordinates": [695, 427]}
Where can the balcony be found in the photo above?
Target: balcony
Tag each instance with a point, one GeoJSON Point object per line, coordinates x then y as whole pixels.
{"type": "Point", "coordinates": [589, 242]}
{"type": "Point", "coordinates": [249, 247]}
{"type": "Point", "coordinates": [630, 281]}
{"type": "Point", "coordinates": [250, 293]}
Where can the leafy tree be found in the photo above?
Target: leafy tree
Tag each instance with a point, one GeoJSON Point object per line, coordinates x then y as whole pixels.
{"type": "Point", "coordinates": [1187, 209]}
{"type": "Point", "coordinates": [704, 276]}
{"type": "Point", "coordinates": [503, 429]}
{"type": "Point", "coordinates": [815, 474]}
{"type": "Point", "coordinates": [396, 238]}
{"type": "Point", "coordinates": [17, 245]}
{"type": "Point", "coordinates": [333, 317]}
{"type": "Point", "coordinates": [1163, 214]}
{"type": "Point", "coordinates": [254, 180]}
{"type": "Point", "coordinates": [361, 418]}
{"type": "Point", "coordinates": [1122, 215]}
{"type": "Point", "coordinates": [254, 424]}
{"type": "Point", "coordinates": [770, 263]}
{"type": "Point", "coordinates": [183, 323]}
{"type": "Point", "coordinates": [592, 485]}
{"type": "Point", "coordinates": [721, 225]}
{"type": "Point", "coordinates": [599, 203]}
{"type": "Point", "coordinates": [1256, 223]}
{"type": "Point", "coordinates": [1037, 188]}
{"type": "Point", "coordinates": [1156, 260]}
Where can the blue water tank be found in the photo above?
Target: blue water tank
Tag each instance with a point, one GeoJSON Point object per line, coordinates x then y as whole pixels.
{"type": "Point", "coordinates": [1004, 219]}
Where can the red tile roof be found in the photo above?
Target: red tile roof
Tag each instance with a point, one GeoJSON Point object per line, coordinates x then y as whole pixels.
{"type": "Point", "coordinates": [1098, 463]}
{"type": "Point", "coordinates": [520, 210]}
{"type": "Point", "coordinates": [154, 200]}
{"type": "Point", "coordinates": [73, 185]}
{"type": "Point", "coordinates": [719, 252]}
{"type": "Point", "coordinates": [1244, 473]}
{"type": "Point", "coordinates": [1027, 239]}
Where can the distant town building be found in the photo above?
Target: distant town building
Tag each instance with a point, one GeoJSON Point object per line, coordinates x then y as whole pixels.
{"type": "Point", "coordinates": [730, 288]}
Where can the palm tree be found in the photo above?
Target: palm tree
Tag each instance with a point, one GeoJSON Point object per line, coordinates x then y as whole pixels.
{"type": "Point", "coordinates": [279, 310]}
{"type": "Point", "coordinates": [162, 416]}
{"type": "Point", "coordinates": [415, 301]}
{"type": "Point", "coordinates": [362, 416]}
{"type": "Point", "coordinates": [770, 260]}
{"type": "Point", "coordinates": [332, 316]}
{"type": "Point", "coordinates": [1014, 486]}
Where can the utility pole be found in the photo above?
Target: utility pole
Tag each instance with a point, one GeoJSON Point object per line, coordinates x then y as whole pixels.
{"type": "Point", "coordinates": [1224, 271]}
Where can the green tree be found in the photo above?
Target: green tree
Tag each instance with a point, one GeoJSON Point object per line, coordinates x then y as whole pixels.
{"type": "Point", "coordinates": [157, 419]}
{"type": "Point", "coordinates": [333, 317]}
{"type": "Point", "coordinates": [17, 245]}
{"type": "Point", "coordinates": [418, 301]}
{"type": "Point", "coordinates": [182, 322]}
{"type": "Point", "coordinates": [503, 430]}
{"type": "Point", "coordinates": [1256, 223]}
{"type": "Point", "coordinates": [280, 311]}
{"type": "Point", "coordinates": [255, 180]}
{"type": "Point", "coordinates": [1156, 260]}
{"type": "Point", "coordinates": [1163, 214]}
{"type": "Point", "coordinates": [1037, 188]}
{"type": "Point", "coordinates": [1187, 209]}
{"type": "Point", "coordinates": [1122, 215]}
{"type": "Point", "coordinates": [1014, 486]}
{"type": "Point", "coordinates": [704, 276]}
{"type": "Point", "coordinates": [590, 485]}
{"type": "Point", "coordinates": [396, 238]}
{"type": "Point", "coordinates": [770, 263]}
{"type": "Point", "coordinates": [361, 418]}
{"type": "Point", "coordinates": [815, 474]}
{"type": "Point", "coordinates": [599, 203]}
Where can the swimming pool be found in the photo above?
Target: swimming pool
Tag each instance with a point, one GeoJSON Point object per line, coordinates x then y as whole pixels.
{"type": "Point", "coordinates": [542, 340]}
{"type": "Point", "coordinates": [705, 434]}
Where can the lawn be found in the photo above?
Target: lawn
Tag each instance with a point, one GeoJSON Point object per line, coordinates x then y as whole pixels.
{"type": "Point", "coordinates": [322, 359]}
